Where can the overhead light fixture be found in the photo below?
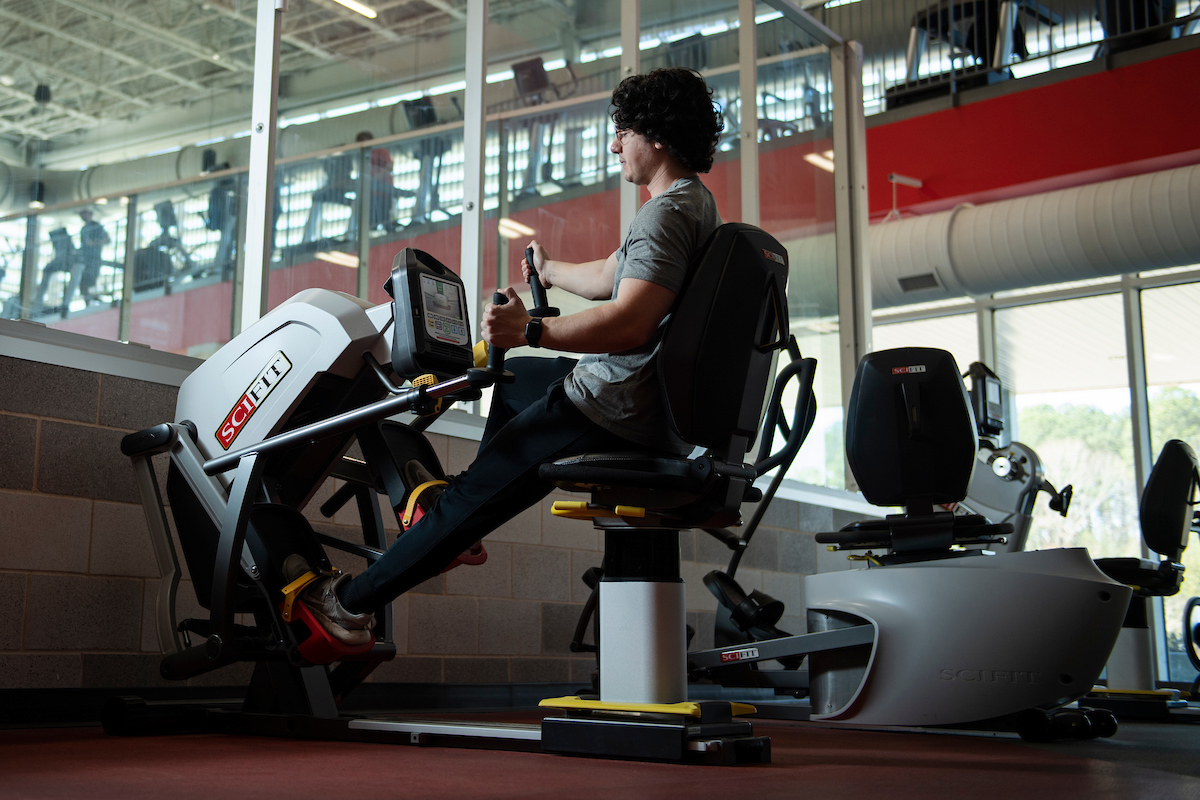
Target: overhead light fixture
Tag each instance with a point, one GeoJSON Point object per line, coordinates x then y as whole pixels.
{"type": "Point", "coordinates": [511, 229]}
{"type": "Point", "coordinates": [341, 259]}
{"type": "Point", "coordinates": [7, 80]}
{"type": "Point", "coordinates": [366, 11]}
{"type": "Point", "coordinates": [821, 161]}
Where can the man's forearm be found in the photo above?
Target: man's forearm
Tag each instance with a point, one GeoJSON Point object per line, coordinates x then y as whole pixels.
{"type": "Point", "coordinates": [591, 280]}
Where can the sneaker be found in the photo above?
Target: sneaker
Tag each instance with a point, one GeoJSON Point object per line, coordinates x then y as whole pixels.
{"type": "Point", "coordinates": [321, 598]}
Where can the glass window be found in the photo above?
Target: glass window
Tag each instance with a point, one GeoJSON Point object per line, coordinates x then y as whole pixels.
{"type": "Point", "coordinates": [1173, 377]}
{"type": "Point", "coordinates": [957, 334]}
{"type": "Point", "coordinates": [796, 205]}
{"type": "Point", "coordinates": [1064, 363]}
{"type": "Point", "coordinates": [145, 127]}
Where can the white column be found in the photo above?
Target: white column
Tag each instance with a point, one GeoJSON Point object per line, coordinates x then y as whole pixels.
{"type": "Point", "coordinates": [748, 124]}
{"type": "Point", "coordinates": [474, 130]}
{"type": "Point", "coordinates": [631, 64]}
{"type": "Point", "coordinates": [260, 190]}
{"type": "Point", "coordinates": [850, 215]}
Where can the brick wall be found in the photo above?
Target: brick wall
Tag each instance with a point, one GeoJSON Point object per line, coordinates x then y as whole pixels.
{"type": "Point", "coordinates": [78, 577]}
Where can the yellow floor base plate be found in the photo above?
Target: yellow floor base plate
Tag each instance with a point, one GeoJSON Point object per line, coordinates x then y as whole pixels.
{"type": "Point", "coordinates": [679, 709]}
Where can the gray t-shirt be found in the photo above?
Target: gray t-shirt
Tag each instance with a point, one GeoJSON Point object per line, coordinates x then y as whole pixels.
{"type": "Point", "coordinates": [620, 391]}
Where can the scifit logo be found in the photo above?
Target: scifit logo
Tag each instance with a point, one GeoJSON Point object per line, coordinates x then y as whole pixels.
{"type": "Point", "coordinates": [908, 370]}
{"type": "Point", "coordinates": [778, 259]}
{"type": "Point", "coordinates": [253, 397]}
{"type": "Point", "coordinates": [739, 655]}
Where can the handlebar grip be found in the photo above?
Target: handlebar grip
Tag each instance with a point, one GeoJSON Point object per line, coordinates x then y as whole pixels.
{"type": "Point", "coordinates": [495, 359]}
{"type": "Point", "coordinates": [535, 283]}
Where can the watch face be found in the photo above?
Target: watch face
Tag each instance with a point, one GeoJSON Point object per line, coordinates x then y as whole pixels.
{"type": "Point", "coordinates": [533, 331]}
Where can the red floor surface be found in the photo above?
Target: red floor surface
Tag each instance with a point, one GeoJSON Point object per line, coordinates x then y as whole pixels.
{"type": "Point", "coordinates": [808, 761]}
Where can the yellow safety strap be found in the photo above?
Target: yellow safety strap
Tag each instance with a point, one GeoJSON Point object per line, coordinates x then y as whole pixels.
{"type": "Point", "coordinates": [292, 591]}
{"type": "Point", "coordinates": [578, 509]}
{"type": "Point", "coordinates": [411, 508]}
{"type": "Point", "coordinates": [680, 709]}
{"type": "Point", "coordinates": [480, 353]}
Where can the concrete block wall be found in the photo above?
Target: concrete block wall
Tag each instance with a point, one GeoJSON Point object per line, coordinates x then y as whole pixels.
{"type": "Point", "coordinates": [78, 577]}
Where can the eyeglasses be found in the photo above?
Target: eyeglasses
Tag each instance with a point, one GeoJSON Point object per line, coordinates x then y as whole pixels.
{"type": "Point", "coordinates": [622, 134]}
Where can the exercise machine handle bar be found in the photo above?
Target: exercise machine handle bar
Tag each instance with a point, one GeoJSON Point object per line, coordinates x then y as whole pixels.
{"type": "Point", "coordinates": [495, 358]}
{"type": "Point", "coordinates": [541, 306]}
{"type": "Point", "coordinates": [356, 418]}
{"type": "Point", "coordinates": [803, 416]}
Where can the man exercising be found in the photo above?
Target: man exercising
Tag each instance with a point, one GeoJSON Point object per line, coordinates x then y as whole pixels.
{"type": "Point", "coordinates": [607, 401]}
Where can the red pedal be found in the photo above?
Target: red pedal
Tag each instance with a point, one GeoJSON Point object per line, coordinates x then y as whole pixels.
{"type": "Point", "coordinates": [321, 647]}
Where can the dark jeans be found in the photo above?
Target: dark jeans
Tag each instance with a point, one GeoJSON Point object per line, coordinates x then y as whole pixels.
{"type": "Point", "coordinates": [530, 423]}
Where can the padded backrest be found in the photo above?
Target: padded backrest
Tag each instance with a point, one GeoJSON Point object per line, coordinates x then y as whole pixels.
{"type": "Point", "coordinates": [1165, 512]}
{"type": "Point", "coordinates": [716, 354]}
{"type": "Point", "coordinates": [911, 436]}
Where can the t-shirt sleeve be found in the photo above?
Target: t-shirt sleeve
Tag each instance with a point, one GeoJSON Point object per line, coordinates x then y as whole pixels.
{"type": "Point", "coordinates": [659, 245]}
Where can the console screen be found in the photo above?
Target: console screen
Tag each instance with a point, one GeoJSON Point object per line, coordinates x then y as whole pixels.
{"type": "Point", "coordinates": [444, 317]}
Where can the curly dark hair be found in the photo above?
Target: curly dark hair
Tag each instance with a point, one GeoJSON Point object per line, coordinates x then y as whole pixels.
{"type": "Point", "coordinates": [672, 106]}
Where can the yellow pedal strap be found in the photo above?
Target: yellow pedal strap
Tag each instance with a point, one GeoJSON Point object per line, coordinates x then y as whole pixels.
{"type": "Point", "coordinates": [578, 509]}
{"type": "Point", "coordinates": [680, 709]}
{"type": "Point", "coordinates": [411, 508]}
{"type": "Point", "coordinates": [292, 591]}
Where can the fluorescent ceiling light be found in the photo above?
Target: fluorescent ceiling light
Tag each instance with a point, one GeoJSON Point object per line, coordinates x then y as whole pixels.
{"type": "Point", "coordinates": [387, 101]}
{"type": "Point", "coordinates": [341, 259]}
{"type": "Point", "coordinates": [820, 161]}
{"type": "Point", "coordinates": [558, 63]}
{"type": "Point", "coordinates": [353, 5]}
{"type": "Point", "coordinates": [301, 120]}
{"type": "Point", "coordinates": [496, 77]}
{"type": "Point", "coordinates": [511, 229]}
{"type": "Point", "coordinates": [7, 80]}
{"type": "Point", "coordinates": [447, 88]}
{"type": "Point", "coordinates": [36, 204]}
{"type": "Point", "coordinates": [344, 110]}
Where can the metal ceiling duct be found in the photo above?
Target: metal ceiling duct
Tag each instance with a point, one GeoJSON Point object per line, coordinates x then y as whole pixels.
{"type": "Point", "coordinates": [1144, 222]}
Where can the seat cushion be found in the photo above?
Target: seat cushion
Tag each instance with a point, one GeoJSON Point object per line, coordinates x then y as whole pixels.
{"type": "Point", "coordinates": [1152, 578]}
{"type": "Point", "coordinates": [632, 478]}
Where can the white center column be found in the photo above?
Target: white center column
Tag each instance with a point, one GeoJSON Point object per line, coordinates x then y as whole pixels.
{"type": "Point", "coordinates": [474, 135]}
{"type": "Point", "coordinates": [251, 290]}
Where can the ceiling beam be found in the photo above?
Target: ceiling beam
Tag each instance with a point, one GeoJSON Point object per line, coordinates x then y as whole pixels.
{"type": "Point", "coordinates": [116, 54]}
{"type": "Point", "coordinates": [155, 33]}
{"type": "Point", "coordinates": [75, 78]}
{"type": "Point", "coordinates": [49, 106]}
{"type": "Point", "coordinates": [294, 41]}
{"type": "Point", "coordinates": [343, 14]}
{"type": "Point", "coordinates": [442, 5]}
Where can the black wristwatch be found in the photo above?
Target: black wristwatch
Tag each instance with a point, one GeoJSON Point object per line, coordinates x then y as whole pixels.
{"type": "Point", "coordinates": [533, 331]}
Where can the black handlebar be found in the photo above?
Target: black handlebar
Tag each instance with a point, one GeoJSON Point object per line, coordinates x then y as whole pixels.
{"type": "Point", "coordinates": [495, 359]}
{"type": "Point", "coordinates": [541, 306]}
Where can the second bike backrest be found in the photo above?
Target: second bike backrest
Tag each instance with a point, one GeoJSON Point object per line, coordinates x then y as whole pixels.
{"type": "Point", "coordinates": [915, 446]}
